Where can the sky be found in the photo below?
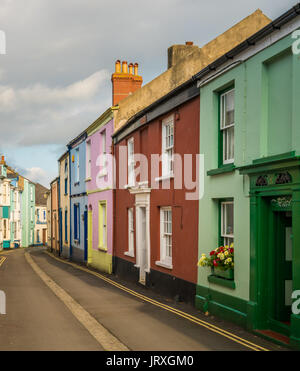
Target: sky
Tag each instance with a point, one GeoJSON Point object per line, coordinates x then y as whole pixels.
{"type": "Point", "coordinates": [60, 54]}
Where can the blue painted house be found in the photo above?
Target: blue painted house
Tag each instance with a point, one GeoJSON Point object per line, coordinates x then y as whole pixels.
{"type": "Point", "coordinates": [78, 199]}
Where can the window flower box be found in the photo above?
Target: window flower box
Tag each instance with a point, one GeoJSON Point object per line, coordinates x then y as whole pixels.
{"type": "Point", "coordinates": [228, 274]}
{"type": "Point", "coordinates": [221, 261]}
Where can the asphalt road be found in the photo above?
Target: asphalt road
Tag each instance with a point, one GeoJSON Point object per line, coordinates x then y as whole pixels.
{"type": "Point", "coordinates": [37, 319]}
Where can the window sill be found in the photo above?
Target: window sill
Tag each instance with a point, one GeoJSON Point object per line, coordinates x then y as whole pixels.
{"type": "Point", "coordinates": [164, 177]}
{"type": "Point", "coordinates": [164, 265]}
{"type": "Point", "coordinates": [127, 186]}
{"type": "Point", "coordinates": [127, 253]}
{"type": "Point", "coordinates": [221, 170]}
{"type": "Point", "coordinates": [221, 281]}
{"type": "Point", "coordinates": [100, 248]}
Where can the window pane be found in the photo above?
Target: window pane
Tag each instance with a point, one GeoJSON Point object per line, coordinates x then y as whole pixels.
{"type": "Point", "coordinates": [229, 107]}
{"type": "Point", "coordinates": [228, 144]}
{"type": "Point", "coordinates": [229, 219]}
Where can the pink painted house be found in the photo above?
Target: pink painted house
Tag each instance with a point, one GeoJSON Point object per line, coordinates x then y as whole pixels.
{"type": "Point", "coordinates": [99, 185]}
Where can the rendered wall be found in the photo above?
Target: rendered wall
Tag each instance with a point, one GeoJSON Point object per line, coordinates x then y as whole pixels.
{"type": "Point", "coordinates": [258, 133]}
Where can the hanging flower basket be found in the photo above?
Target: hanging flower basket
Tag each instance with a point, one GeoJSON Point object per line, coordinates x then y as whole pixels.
{"type": "Point", "coordinates": [221, 261]}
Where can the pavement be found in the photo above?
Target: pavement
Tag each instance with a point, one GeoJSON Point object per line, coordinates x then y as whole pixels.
{"type": "Point", "coordinates": [55, 305]}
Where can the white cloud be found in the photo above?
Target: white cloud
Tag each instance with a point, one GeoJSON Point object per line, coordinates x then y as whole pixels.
{"type": "Point", "coordinates": [37, 175]}
{"type": "Point", "coordinates": [7, 98]}
{"type": "Point", "coordinates": [39, 94]}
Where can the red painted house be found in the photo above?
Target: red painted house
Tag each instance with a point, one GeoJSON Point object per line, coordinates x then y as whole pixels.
{"type": "Point", "coordinates": [156, 229]}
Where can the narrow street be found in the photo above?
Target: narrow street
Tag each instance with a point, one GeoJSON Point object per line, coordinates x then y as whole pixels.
{"type": "Point", "coordinates": [36, 319]}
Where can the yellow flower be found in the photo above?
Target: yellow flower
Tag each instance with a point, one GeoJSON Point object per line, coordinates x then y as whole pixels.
{"type": "Point", "coordinates": [221, 256]}
{"type": "Point", "coordinates": [228, 261]}
{"type": "Point", "coordinates": [226, 253]}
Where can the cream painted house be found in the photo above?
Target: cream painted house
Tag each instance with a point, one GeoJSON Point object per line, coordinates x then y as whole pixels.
{"type": "Point", "coordinates": [41, 226]}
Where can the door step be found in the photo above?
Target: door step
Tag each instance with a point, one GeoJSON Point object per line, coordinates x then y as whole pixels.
{"type": "Point", "coordinates": [275, 336]}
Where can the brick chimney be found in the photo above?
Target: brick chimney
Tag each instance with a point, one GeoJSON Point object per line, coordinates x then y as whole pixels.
{"type": "Point", "coordinates": [178, 52]}
{"type": "Point", "coordinates": [125, 81]}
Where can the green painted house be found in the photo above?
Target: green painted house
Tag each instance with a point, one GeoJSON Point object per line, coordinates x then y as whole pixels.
{"type": "Point", "coordinates": [28, 213]}
{"type": "Point", "coordinates": [250, 138]}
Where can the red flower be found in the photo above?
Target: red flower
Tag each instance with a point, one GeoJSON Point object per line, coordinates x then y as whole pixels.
{"type": "Point", "coordinates": [212, 253]}
{"type": "Point", "coordinates": [215, 263]}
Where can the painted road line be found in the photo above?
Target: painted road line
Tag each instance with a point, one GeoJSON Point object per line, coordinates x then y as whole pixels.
{"type": "Point", "coordinates": [198, 321]}
{"type": "Point", "coordinates": [5, 252]}
{"type": "Point", "coordinates": [101, 335]}
{"type": "Point", "coordinates": [2, 260]}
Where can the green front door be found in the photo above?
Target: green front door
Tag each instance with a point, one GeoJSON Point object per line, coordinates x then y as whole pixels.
{"type": "Point", "coordinates": [280, 277]}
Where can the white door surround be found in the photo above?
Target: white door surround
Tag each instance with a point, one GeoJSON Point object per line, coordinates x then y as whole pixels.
{"type": "Point", "coordinates": [142, 207]}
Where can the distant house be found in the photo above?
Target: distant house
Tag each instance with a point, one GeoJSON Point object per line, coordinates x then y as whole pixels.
{"type": "Point", "coordinates": [40, 232]}
{"type": "Point", "coordinates": [78, 199]}
{"type": "Point", "coordinates": [4, 206]}
{"type": "Point", "coordinates": [49, 219]}
{"type": "Point", "coordinates": [15, 209]}
{"type": "Point", "coordinates": [99, 183]}
{"type": "Point", "coordinates": [55, 216]}
{"type": "Point", "coordinates": [64, 204]}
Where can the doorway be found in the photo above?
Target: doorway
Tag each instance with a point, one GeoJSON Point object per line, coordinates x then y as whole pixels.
{"type": "Point", "coordinates": [85, 235]}
{"type": "Point", "coordinates": [142, 244]}
{"type": "Point", "coordinates": [280, 270]}
{"type": "Point", "coordinates": [44, 236]}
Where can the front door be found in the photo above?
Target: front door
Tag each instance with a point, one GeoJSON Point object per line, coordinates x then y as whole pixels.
{"type": "Point", "coordinates": [85, 236]}
{"type": "Point", "coordinates": [282, 275]}
{"type": "Point", "coordinates": [44, 237]}
{"type": "Point", "coordinates": [142, 244]}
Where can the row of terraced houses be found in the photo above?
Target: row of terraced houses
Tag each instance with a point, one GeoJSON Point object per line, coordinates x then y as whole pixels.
{"type": "Point", "coordinates": [23, 210]}
{"type": "Point", "coordinates": [206, 154]}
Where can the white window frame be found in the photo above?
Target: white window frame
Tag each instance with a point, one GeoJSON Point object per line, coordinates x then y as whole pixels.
{"type": "Point", "coordinates": [103, 153]}
{"type": "Point", "coordinates": [165, 237]}
{"type": "Point", "coordinates": [168, 147]}
{"type": "Point", "coordinates": [131, 162]}
{"type": "Point", "coordinates": [228, 238]}
{"type": "Point", "coordinates": [226, 128]}
{"type": "Point", "coordinates": [89, 159]}
{"type": "Point", "coordinates": [131, 231]}
{"type": "Point", "coordinates": [77, 165]}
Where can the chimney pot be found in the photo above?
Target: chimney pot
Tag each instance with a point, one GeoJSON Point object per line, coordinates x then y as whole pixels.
{"type": "Point", "coordinates": [136, 67]}
{"type": "Point", "coordinates": [189, 43]}
{"type": "Point", "coordinates": [118, 66]}
{"type": "Point", "coordinates": [130, 68]}
{"type": "Point", "coordinates": [124, 67]}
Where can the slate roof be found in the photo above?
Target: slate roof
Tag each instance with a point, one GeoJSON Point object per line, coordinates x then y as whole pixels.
{"type": "Point", "coordinates": [39, 195]}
